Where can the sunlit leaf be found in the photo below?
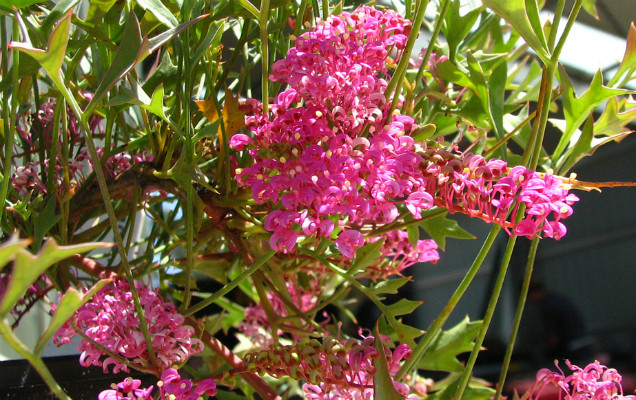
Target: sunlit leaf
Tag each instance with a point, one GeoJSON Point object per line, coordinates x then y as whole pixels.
{"type": "Point", "coordinates": [628, 64]}
{"type": "Point", "coordinates": [457, 26]}
{"type": "Point", "coordinates": [9, 249]}
{"type": "Point", "coordinates": [389, 286]}
{"type": "Point", "coordinates": [590, 7]}
{"type": "Point", "coordinates": [577, 109]}
{"type": "Point", "coordinates": [28, 267]}
{"type": "Point", "coordinates": [523, 15]}
{"type": "Point", "coordinates": [68, 305]}
{"type": "Point", "coordinates": [367, 255]}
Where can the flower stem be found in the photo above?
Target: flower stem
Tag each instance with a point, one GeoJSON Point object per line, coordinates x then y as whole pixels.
{"type": "Point", "coordinates": [436, 326]}
{"type": "Point", "coordinates": [487, 318]}
{"type": "Point", "coordinates": [10, 119]}
{"type": "Point", "coordinates": [518, 314]}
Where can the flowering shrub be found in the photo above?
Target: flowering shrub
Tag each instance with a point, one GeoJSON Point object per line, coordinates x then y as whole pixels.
{"type": "Point", "coordinates": [282, 213]}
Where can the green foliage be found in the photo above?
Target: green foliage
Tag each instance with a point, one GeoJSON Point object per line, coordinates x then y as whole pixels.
{"type": "Point", "coordinates": [442, 354]}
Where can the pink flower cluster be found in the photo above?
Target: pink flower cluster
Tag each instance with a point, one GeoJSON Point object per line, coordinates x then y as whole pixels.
{"type": "Point", "coordinates": [595, 381]}
{"type": "Point", "coordinates": [111, 321]}
{"type": "Point", "coordinates": [338, 161]}
{"type": "Point", "coordinates": [171, 387]}
{"type": "Point", "coordinates": [333, 160]}
{"type": "Point", "coordinates": [333, 369]}
{"type": "Point", "coordinates": [493, 192]}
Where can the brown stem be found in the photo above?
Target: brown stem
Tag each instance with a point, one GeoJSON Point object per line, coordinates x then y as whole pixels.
{"type": "Point", "coordinates": [261, 387]}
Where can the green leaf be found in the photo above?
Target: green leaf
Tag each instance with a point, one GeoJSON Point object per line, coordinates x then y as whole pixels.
{"type": "Point", "coordinates": [523, 15]}
{"type": "Point", "coordinates": [382, 382]}
{"type": "Point", "coordinates": [367, 255]}
{"type": "Point", "coordinates": [125, 59]}
{"type": "Point", "coordinates": [45, 220]}
{"type": "Point", "coordinates": [496, 97]}
{"type": "Point", "coordinates": [402, 307]}
{"type": "Point", "coordinates": [69, 304]}
{"type": "Point", "coordinates": [445, 389]}
{"type": "Point", "coordinates": [9, 249]}
{"type": "Point", "coordinates": [577, 109]}
{"type": "Point", "coordinates": [456, 27]}
{"type": "Point", "coordinates": [61, 8]}
{"type": "Point", "coordinates": [28, 267]}
{"type": "Point", "coordinates": [615, 118]}
{"type": "Point", "coordinates": [442, 353]}
{"type": "Point", "coordinates": [628, 64]}
{"type": "Point", "coordinates": [160, 11]}
{"type": "Point", "coordinates": [389, 286]}
{"type": "Point", "coordinates": [440, 227]}
{"type": "Point", "coordinates": [590, 7]}
{"type": "Point", "coordinates": [52, 58]}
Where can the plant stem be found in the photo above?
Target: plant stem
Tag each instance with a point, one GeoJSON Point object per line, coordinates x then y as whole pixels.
{"type": "Point", "coordinates": [231, 285]}
{"type": "Point", "coordinates": [436, 326]}
{"type": "Point", "coordinates": [36, 362]}
{"type": "Point", "coordinates": [518, 314]}
{"type": "Point", "coordinates": [10, 119]}
{"type": "Point", "coordinates": [262, 23]}
{"type": "Point", "coordinates": [492, 305]}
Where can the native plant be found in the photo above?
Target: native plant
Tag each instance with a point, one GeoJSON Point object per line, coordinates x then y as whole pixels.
{"type": "Point", "coordinates": [256, 168]}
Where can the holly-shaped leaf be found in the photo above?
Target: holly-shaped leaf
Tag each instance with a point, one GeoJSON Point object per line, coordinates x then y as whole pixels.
{"type": "Point", "coordinates": [440, 227]}
{"type": "Point", "coordinates": [442, 353]}
{"type": "Point", "coordinates": [28, 267]}
{"type": "Point", "coordinates": [389, 286]}
{"type": "Point", "coordinates": [68, 305]}
{"type": "Point", "coordinates": [367, 255]}
{"type": "Point", "coordinates": [628, 64]}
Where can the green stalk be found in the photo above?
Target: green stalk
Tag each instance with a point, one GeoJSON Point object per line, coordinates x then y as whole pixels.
{"type": "Point", "coordinates": [429, 49]}
{"type": "Point", "coordinates": [436, 326]}
{"type": "Point", "coordinates": [189, 154]}
{"type": "Point", "coordinates": [518, 314]}
{"type": "Point", "coordinates": [262, 24]}
{"type": "Point", "coordinates": [36, 362]}
{"type": "Point", "coordinates": [558, 13]}
{"type": "Point", "coordinates": [231, 285]}
{"type": "Point", "coordinates": [492, 305]}
{"type": "Point", "coordinates": [10, 119]}
{"type": "Point", "coordinates": [398, 76]}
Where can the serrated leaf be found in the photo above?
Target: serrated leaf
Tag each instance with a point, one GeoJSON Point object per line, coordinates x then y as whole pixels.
{"type": "Point", "coordinates": [443, 351]}
{"type": "Point", "coordinates": [402, 307]}
{"type": "Point", "coordinates": [577, 109]}
{"type": "Point", "coordinates": [52, 58]}
{"type": "Point", "coordinates": [613, 121]}
{"type": "Point", "coordinates": [389, 286]}
{"type": "Point", "coordinates": [28, 267]}
{"type": "Point", "coordinates": [445, 389]}
{"type": "Point", "coordinates": [440, 227]}
{"type": "Point", "coordinates": [382, 382]}
{"type": "Point", "coordinates": [456, 27]}
{"type": "Point", "coordinates": [523, 15]}
{"type": "Point", "coordinates": [367, 255]}
{"type": "Point", "coordinates": [9, 249]}
{"type": "Point", "coordinates": [68, 305]}
{"type": "Point", "coordinates": [628, 64]}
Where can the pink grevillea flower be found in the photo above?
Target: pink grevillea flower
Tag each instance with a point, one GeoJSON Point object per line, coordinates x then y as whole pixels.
{"type": "Point", "coordinates": [490, 190]}
{"type": "Point", "coordinates": [332, 368]}
{"type": "Point", "coordinates": [129, 388]}
{"type": "Point", "coordinates": [401, 254]}
{"type": "Point", "coordinates": [172, 387]}
{"type": "Point", "coordinates": [111, 321]}
{"type": "Point", "coordinates": [595, 381]}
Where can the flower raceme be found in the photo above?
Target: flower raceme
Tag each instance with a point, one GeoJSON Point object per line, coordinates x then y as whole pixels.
{"type": "Point", "coordinates": [335, 158]}
{"type": "Point", "coordinates": [111, 323]}
{"type": "Point", "coordinates": [595, 381]}
{"type": "Point", "coordinates": [332, 368]}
